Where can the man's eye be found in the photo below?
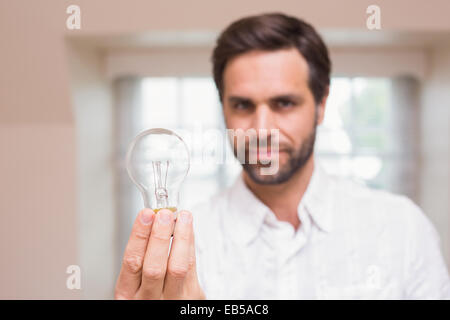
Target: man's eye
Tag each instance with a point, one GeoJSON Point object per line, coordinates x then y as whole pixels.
{"type": "Point", "coordinates": [285, 103]}
{"type": "Point", "coordinates": [241, 105]}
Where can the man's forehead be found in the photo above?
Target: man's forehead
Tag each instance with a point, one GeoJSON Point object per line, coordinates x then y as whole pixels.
{"type": "Point", "coordinates": [269, 72]}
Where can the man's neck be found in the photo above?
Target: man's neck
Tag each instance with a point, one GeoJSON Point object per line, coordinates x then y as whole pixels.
{"type": "Point", "coordinates": [283, 199]}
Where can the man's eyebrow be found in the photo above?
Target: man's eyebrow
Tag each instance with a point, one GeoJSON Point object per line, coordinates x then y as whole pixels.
{"type": "Point", "coordinates": [238, 99]}
{"type": "Point", "coordinates": [289, 96]}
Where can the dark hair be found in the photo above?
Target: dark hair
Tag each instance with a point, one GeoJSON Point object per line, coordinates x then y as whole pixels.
{"type": "Point", "coordinates": [274, 31]}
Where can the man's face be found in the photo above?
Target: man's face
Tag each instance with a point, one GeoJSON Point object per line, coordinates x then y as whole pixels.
{"type": "Point", "coordinates": [269, 90]}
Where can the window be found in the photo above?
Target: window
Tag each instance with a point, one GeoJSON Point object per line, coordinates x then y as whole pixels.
{"type": "Point", "coordinates": [186, 105]}
{"type": "Point", "coordinates": [353, 140]}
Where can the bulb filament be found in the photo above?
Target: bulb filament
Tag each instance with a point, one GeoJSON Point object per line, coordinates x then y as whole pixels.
{"type": "Point", "coordinates": [160, 184]}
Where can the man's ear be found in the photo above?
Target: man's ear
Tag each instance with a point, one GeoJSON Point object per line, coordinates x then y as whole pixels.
{"type": "Point", "coordinates": [321, 107]}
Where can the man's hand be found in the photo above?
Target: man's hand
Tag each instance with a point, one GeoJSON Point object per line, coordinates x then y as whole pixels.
{"type": "Point", "coordinates": [148, 270]}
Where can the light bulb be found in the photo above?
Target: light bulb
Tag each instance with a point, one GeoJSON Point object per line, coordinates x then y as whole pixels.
{"type": "Point", "coordinates": [157, 162]}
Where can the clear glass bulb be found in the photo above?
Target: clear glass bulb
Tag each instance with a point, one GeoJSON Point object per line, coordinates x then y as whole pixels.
{"type": "Point", "coordinates": [157, 162]}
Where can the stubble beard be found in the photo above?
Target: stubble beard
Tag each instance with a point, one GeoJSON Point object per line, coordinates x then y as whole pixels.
{"type": "Point", "coordinates": [297, 159]}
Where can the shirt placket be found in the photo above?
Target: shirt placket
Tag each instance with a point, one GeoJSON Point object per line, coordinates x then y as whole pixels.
{"type": "Point", "coordinates": [286, 275]}
{"type": "Point", "coordinates": [289, 264]}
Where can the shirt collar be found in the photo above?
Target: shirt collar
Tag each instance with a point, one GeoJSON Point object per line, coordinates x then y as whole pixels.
{"type": "Point", "coordinates": [247, 213]}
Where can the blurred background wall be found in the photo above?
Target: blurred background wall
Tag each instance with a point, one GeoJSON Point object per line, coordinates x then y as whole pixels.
{"type": "Point", "coordinates": [63, 125]}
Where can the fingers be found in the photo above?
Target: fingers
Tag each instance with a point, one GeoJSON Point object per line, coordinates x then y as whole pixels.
{"type": "Point", "coordinates": [133, 259]}
{"type": "Point", "coordinates": [155, 261]}
{"type": "Point", "coordinates": [179, 262]}
{"type": "Point", "coordinates": [192, 274]}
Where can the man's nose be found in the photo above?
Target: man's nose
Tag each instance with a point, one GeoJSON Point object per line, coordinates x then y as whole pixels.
{"type": "Point", "coordinates": [263, 118]}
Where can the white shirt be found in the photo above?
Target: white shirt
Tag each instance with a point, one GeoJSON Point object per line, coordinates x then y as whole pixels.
{"type": "Point", "coordinates": [352, 243]}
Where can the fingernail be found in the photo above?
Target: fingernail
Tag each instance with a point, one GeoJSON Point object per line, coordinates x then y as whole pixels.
{"type": "Point", "coordinates": [185, 217]}
{"type": "Point", "coordinates": [165, 216]}
{"type": "Point", "coordinates": [146, 217]}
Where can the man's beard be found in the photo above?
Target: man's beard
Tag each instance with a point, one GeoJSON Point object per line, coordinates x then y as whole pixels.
{"type": "Point", "coordinates": [297, 158]}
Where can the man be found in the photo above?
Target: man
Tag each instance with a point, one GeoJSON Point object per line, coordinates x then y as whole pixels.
{"type": "Point", "coordinates": [294, 234]}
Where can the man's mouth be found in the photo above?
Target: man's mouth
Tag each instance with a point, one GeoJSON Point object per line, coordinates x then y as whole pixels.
{"type": "Point", "coordinates": [263, 155]}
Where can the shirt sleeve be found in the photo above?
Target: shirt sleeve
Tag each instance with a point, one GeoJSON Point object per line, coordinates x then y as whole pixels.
{"type": "Point", "coordinates": [426, 271]}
